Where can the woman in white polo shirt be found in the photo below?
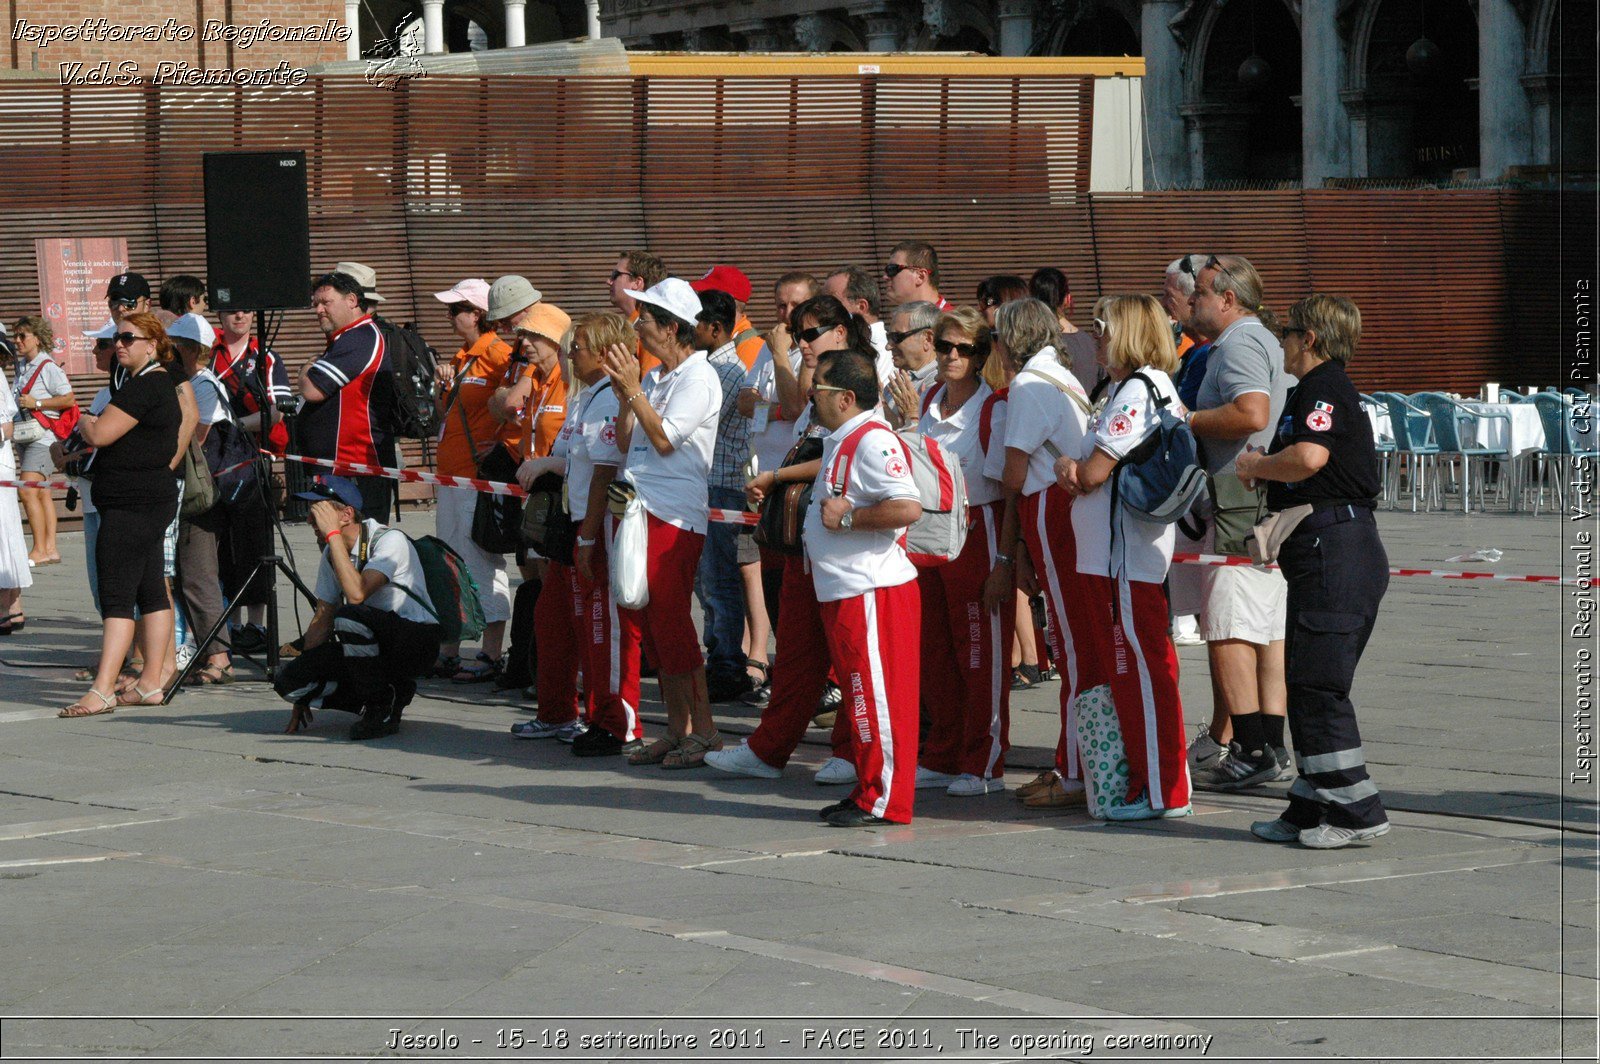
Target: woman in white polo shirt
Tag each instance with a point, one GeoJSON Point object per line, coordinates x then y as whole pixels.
{"type": "Point", "coordinates": [1122, 560]}
{"type": "Point", "coordinates": [966, 684]}
{"type": "Point", "coordinates": [1046, 416]}
{"type": "Point", "coordinates": [667, 427]}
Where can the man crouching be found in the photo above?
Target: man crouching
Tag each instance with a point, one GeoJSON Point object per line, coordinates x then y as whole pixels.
{"type": "Point", "coordinates": [375, 629]}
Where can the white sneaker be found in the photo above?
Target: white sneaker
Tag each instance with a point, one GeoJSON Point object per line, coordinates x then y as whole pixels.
{"type": "Point", "coordinates": [1328, 837]}
{"type": "Point", "coordinates": [183, 655]}
{"type": "Point", "coordinates": [967, 785]}
{"type": "Point", "coordinates": [1186, 631]}
{"type": "Point", "coordinates": [835, 770]}
{"type": "Point", "coordinates": [742, 761]}
{"type": "Point", "coordinates": [927, 778]}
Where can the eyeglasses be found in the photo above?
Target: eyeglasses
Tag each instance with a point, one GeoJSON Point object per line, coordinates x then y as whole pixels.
{"type": "Point", "coordinates": [990, 301]}
{"type": "Point", "coordinates": [815, 388]}
{"type": "Point", "coordinates": [1294, 330]}
{"type": "Point", "coordinates": [945, 347]}
{"type": "Point", "coordinates": [902, 337]}
{"type": "Point", "coordinates": [809, 336]}
{"type": "Point", "coordinates": [126, 339]}
{"type": "Point", "coordinates": [621, 273]}
{"type": "Point", "coordinates": [461, 308]}
{"type": "Point", "coordinates": [1102, 327]}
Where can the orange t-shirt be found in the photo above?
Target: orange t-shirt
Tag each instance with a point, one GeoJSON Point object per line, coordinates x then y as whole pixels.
{"type": "Point", "coordinates": [749, 349]}
{"type": "Point", "coordinates": [542, 416]}
{"type": "Point", "coordinates": [647, 361]}
{"type": "Point", "coordinates": [1185, 341]}
{"type": "Point", "coordinates": [480, 369]}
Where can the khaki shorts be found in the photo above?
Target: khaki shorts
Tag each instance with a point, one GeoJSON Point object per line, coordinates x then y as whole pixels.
{"type": "Point", "coordinates": [1242, 602]}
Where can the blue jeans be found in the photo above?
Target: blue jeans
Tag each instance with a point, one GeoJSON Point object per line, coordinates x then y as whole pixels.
{"type": "Point", "coordinates": [91, 532]}
{"type": "Point", "coordinates": [720, 590]}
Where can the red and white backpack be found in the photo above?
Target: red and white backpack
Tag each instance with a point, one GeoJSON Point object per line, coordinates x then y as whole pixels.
{"type": "Point", "coordinates": [938, 536]}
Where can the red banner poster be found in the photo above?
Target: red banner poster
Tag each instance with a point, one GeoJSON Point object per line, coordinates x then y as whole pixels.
{"type": "Point", "coordinates": [73, 274]}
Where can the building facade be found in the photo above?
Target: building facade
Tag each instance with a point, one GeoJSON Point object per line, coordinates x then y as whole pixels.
{"type": "Point", "coordinates": [1288, 91]}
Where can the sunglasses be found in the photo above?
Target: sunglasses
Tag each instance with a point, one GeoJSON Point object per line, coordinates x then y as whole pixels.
{"type": "Point", "coordinates": [621, 273]}
{"type": "Point", "coordinates": [461, 308]}
{"type": "Point", "coordinates": [126, 339]}
{"type": "Point", "coordinates": [809, 336]}
{"type": "Point", "coordinates": [902, 337]}
{"type": "Point", "coordinates": [894, 269]}
{"type": "Point", "coordinates": [125, 304]}
{"type": "Point", "coordinates": [945, 347]}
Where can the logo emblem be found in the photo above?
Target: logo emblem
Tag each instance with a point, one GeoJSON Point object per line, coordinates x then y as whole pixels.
{"type": "Point", "coordinates": [1121, 424]}
{"type": "Point", "coordinates": [1319, 421]}
{"type": "Point", "coordinates": [896, 467]}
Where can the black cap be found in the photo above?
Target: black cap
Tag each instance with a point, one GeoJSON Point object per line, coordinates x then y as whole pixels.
{"type": "Point", "coordinates": [128, 286]}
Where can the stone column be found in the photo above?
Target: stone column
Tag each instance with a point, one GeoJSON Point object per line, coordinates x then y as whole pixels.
{"type": "Point", "coordinates": [1166, 163]}
{"type": "Point", "coordinates": [882, 31]}
{"type": "Point", "coordinates": [763, 35]}
{"type": "Point", "coordinates": [1324, 125]}
{"type": "Point", "coordinates": [1016, 26]}
{"type": "Point", "coordinates": [516, 23]}
{"type": "Point", "coordinates": [1505, 117]}
{"type": "Point", "coordinates": [433, 27]}
{"type": "Point", "coordinates": [352, 22]}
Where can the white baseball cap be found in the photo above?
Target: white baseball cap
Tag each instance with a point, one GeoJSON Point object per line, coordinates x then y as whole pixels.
{"type": "Point", "coordinates": [105, 332]}
{"type": "Point", "coordinates": [474, 290]}
{"type": "Point", "coordinates": [193, 327]}
{"type": "Point", "coordinates": [674, 296]}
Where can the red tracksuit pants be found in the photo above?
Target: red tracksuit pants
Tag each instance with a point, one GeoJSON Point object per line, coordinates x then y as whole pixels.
{"type": "Point", "coordinates": [966, 682]}
{"type": "Point", "coordinates": [1144, 684]}
{"type": "Point", "coordinates": [559, 619]}
{"type": "Point", "coordinates": [610, 649]}
{"type": "Point", "coordinates": [800, 670]}
{"type": "Point", "coordinates": [1046, 519]}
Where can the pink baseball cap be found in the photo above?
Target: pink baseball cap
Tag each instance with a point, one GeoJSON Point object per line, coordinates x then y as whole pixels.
{"type": "Point", "coordinates": [474, 290]}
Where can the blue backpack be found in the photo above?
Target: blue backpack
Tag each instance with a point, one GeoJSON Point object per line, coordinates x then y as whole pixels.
{"type": "Point", "coordinates": [1160, 479]}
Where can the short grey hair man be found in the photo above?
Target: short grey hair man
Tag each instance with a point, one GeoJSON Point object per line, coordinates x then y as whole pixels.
{"type": "Point", "coordinates": [916, 316]}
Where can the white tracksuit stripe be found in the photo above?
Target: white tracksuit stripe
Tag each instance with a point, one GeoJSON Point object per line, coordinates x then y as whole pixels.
{"type": "Point", "coordinates": [996, 672]}
{"type": "Point", "coordinates": [1152, 746]}
{"type": "Point", "coordinates": [1064, 635]}
{"type": "Point", "coordinates": [880, 703]}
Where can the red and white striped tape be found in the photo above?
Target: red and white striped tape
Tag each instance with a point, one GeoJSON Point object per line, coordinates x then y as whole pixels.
{"type": "Point", "coordinates": [53, 482]}
{"type": "Point", "coordinates": [1442, 574]}
{"type": "Point", "coordinates": [741, 517]}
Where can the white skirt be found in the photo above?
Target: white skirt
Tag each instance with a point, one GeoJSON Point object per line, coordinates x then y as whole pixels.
{"type": "Point", "coordinates": [14, 571]}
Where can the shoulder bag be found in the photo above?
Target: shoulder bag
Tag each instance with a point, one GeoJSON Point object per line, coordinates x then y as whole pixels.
{"type": "Point", "coordinates": [781, 526]}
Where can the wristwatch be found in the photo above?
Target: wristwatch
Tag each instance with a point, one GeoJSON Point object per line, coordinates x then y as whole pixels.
{"type": "Point", "coordinates": [848, 521]}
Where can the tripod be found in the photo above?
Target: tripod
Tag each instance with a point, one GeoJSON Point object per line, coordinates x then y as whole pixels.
{"type": "Point", "coordinates": [270, 563]}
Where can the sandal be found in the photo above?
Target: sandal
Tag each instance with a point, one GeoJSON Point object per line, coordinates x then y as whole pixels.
{"type": "Point", "coordinates": [691, 751]}
{"type": "Point", "coordinates": [446, 666]}
{"type": "Point", "coordinates": [656, 752]}
{"type": "Point", "coordinates": [210, 676]}
{"type": "Point", "coordinates": [762, 667]}
{"type": "Point", "coordinates": [480, 671]}
{"type": "Point", "coordinates": [7, 627]}
{"type": "Point", "coordinates": [141, 697]}
{"type": "Point", "coordinates": [78, 709]}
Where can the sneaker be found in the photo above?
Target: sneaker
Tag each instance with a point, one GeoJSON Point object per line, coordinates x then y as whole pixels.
{"type": "Point", "coordinates": [597, 742]}
{"type": "Point", "coordinates": [853, 816]}
{"type": "Point", "coordinates": [967, 785]}
{"type": "Point", "coordinates": [567, 731]}
{"type": "Point", "coordinates": [825, 720]}
{"type": "Point", "coordinates": [1233, 772]}
{"type": "Point", "coordinates": [1329, 837]}
{"type": "Point", "coordinates": [742, 761]}
{"type": "Point", "coordinates": [1204, 751]}
{"type": "Point", "coordinates": [1048, 673]}
{"type": "Point", "coordinates": [1141, 809]}
{"type": "Point", "coordinates": [373, 726]}
{"type": "Point", "coordinates": [758, 696]}
{"type": "Point", "coordinates": [927, 778]}
{"type": "Point", "coordinates": [835, 770]}
{"type": "Point", "coordinates": [1024, 677]}
{"type": "Point", "coordinates": [1279, 830]}
{"type": "Point", "coordinates": [183, 655]}
{"type": "Point", "coordinates": [1285, 766]}
{"type": "Point", "coordinates": [249, 638]}
{"type": "Point", "coordinates": [832, 698]}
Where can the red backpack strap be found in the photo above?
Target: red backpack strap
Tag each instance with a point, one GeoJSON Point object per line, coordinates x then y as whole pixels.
{"type": "Point", "coordinates": [927, 400]}
{"type": "Point", "coordinates": [986, 417]}
{"type": "Point", "coordinates": [26, 388]}
{"type": "Point", "coordinates": [847, 454]}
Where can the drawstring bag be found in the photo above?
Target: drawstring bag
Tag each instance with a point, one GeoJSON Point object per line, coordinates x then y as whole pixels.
{"type": "Point", "coordinates": [1100, 751]}
{"type": "Point", "coordinates": [630, 550]}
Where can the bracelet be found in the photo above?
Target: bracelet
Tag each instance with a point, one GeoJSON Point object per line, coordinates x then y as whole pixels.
{"type": "Point", "coordinates": [628, 399]}
{"type": "Point", "coordinates": [329, 538]}
{"type": "Point", "coordinates": [585, 542]}
{"type": "Point", "coordinates": [1003, 559]}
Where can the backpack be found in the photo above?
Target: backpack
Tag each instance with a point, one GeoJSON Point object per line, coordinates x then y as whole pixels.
{"type": "Point", "coordinates": [411, 411]}
{"type": "Point", "coordinates": [449, 581]}
{"type": "Point", "coordinates": [229, 447]}
{"type": "Point", "coordinates": [938, 536]}
{"type": "Point", "coordinates": [1160, 479]}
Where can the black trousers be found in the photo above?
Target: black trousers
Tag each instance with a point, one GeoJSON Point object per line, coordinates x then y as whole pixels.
{"type": "Point", "coordinates": [1337, 575]}
{"type": "Point", "coordinates": [373, 657]}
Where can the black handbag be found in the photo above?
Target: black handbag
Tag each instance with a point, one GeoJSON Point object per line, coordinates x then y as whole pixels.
{"type": "Point", "coordinates": [497, 519]}
{"type": "Point", "coordinates": [781, 526]}
{"type": "Point", "coordinates": [547, 527]}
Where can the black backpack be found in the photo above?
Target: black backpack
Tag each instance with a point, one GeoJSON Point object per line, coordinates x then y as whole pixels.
{"type": "Point", "coordinates": [410, 410]}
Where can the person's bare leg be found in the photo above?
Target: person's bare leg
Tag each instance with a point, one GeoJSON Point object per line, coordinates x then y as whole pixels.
{"type": "Point", "coordinates": [757, 623]}
{"type": "Point", "coordinates": [1274, 690]}
{"type": "Point", "coordinates": [1025, 650]}
{"type": "Point", "coordinates": [34, 504]}
{"type": "Point", "coordinates": [1233, 684]}
{"type": "Point", "coordinates": [699, 702]}
{"type": "Point", "coordinates": [115, 641]}
{"type": "Point", "coordinates": [160, 655]}
{"type": "Point", "coordinates": [48, 506]}
{"type": "Point", "coordinates": [678, 694]}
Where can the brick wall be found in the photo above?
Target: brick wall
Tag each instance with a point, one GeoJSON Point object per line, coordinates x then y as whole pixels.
{"type": "Point", "coordinates": [187, 18]}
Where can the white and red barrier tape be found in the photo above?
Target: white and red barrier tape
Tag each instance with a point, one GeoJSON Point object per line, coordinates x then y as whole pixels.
{"type": "Point", "coordinates": [741, 517]}
{"type": "Point", "coordinates": [53, 482]}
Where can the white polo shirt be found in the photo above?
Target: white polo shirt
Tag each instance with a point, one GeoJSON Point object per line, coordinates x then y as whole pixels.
{"type": "Point", "coordinates": [673, 486]}
{"type": "Point", "coordinates": [771, 443]}
{"type": "Point", "coordinates": [1039, 414]}
{"type": "Point", "coordinates": [846, 564]}
{"type": "Point", "coordinates": [958, 435]}
{"type": "Point", "coordinates": [885, 355]}
{"type": "Point", "coordinates": [1143, 548]}
{"type": "Point", "coordinates": [388, 552]}
{"type": "Point", "coordinates": [588, 438]}
{"type": "Point", "coordinates": [994, 456]}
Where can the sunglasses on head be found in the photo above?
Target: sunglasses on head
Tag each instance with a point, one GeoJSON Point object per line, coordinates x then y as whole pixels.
{"type": "Point", "coordinates": [945, 347]}
{"type": "Point", "coordinates": [1102, 327]}
{"type": "Point", "coordinates": [809, 336]}
{"type": "Point", "coordinates": [902, 337]}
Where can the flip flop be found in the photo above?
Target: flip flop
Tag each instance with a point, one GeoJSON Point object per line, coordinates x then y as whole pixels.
{"type": "Point", "coordinates": [78, 709]}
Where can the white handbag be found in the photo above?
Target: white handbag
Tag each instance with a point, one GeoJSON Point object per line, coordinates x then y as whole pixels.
{"type": "Point", "coordinates": [630, 550]}
{"type": "Point", "coordinates": [26, 430]}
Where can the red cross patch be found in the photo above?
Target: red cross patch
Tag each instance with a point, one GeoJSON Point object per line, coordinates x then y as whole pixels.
{"type": "Point", "coordinates": [608, 435]}
{"type": "Point", "coordinates": [896, 467]}
{"type": "Point", "coordinates": [1121, 425]}
{"type": "Point", "coordinates": [1319, 421]}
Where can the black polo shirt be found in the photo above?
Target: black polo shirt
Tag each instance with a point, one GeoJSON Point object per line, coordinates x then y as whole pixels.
{"type": "Point", "coordinates": [1325, 409]}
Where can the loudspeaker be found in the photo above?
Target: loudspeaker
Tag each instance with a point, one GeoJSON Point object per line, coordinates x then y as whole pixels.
{"type": "Point", "coordinates": [258, 230]}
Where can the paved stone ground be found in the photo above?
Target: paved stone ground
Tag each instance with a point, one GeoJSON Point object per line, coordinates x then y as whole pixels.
{"type": "Point", "coordinates": [193, 862]}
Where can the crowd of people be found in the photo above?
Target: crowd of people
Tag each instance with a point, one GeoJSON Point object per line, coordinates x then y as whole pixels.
{"type": "Point", "coordinates": [674, 403]}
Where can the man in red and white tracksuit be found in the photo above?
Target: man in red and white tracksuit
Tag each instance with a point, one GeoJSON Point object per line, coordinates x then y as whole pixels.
{"type": "Point", "coordinates": [866, 590]}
